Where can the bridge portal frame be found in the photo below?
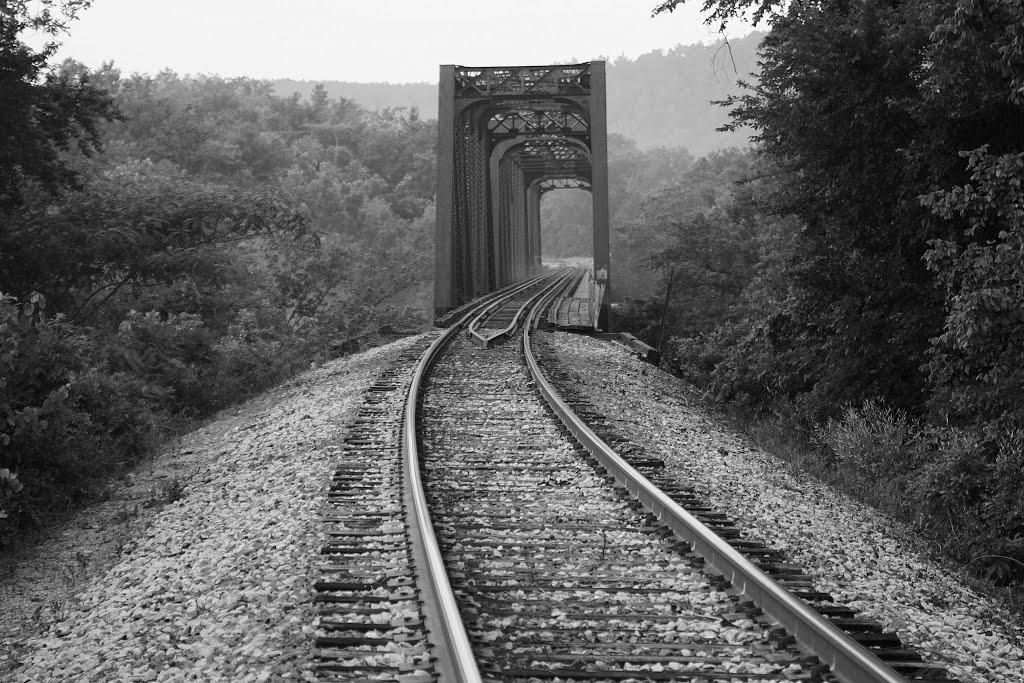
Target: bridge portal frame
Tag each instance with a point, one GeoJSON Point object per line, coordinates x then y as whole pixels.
{"type": "Point", "coordinates": [506, 135]}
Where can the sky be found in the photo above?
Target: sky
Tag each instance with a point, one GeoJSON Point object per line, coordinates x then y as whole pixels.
{"type": "Point", "coordinates": [399, 41]}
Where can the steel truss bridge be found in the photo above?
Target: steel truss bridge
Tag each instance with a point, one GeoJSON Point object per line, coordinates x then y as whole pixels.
{"type": "Point", "coordinates": [506, 136]}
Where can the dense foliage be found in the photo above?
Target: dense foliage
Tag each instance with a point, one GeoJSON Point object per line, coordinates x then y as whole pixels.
{"type": "Point", "coordinates": [864, 277]}
{"type": "Point", "coordinates": [42, 114]}
{"type": "Point", "coordinates": [223, 238]}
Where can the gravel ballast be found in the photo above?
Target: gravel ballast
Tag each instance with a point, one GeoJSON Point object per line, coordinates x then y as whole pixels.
{"type": "Point", "coordinates": [860, 556]}
{"type": "Point", "coordinates": [558, 575]}
{"type": "Point", "coordinates": [220, 587]}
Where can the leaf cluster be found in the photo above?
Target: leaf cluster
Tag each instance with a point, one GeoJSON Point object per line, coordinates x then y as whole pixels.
{"type": "Point", "coordinates": [724, 10]}
{"type": "Point", "coordinates": [42, 114]}
{"type": "Point", "coordinates": [975, 363]}
{"type": "Point", "coordinates": [134, 232]}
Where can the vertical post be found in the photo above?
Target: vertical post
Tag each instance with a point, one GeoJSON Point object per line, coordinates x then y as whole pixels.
{"type": "Point", "coordinates": [592, 291]}
{"type": "Point", "coordinates": [533, 196]}
{"type": "Point", "coordinates": [522, 229]}
{"type": "Point", "coordinates": [444, 296]}
{"type": "Point", "coordinates": [477, 183]}
{"type": "Point", "coordinates": [499, 211]}
{"type": "Point", "coordinates": [599, 189]}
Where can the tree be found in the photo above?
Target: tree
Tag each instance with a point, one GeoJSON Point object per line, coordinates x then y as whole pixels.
{"type": "Point", "coordinates": [975, 368]}
{"type": "Point", "coordinates": [227, 238]}
{"type": "Point", "coordinates": [702, 230]}
{"type": "Point", "coordinates": [42, 114]}
{"type": "Point", "coordinates": [976, 66]}
{"type": "Point", "coordinates": [863, 108]}
{"type": "Point", "coordinates": [132, 231]}
{"type": "Point", "coordinates": [896, 125]}
{"type": "Point", "coordinates": [724, 10]}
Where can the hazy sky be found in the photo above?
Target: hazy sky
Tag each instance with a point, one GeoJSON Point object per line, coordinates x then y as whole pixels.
{"type": "Point", "coordinates": [369, 40]}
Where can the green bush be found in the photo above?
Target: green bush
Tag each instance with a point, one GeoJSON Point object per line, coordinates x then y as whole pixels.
{"type": "Point", "coordinates": [961, 492]}
{"type": "Point", "coordinates": [257, 351]}
{"type": "Point", "coordinates": [168, 351]}
{"type": "Point", "coordinates": [875, 439]}
{"type": "Point", "coordinates": [66, 424]}
{"type": "Point", "coordinates": [36, 357]}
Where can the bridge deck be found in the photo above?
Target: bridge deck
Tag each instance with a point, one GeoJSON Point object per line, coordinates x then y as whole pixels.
{"type": "Point", "coordinates": [575, 312]}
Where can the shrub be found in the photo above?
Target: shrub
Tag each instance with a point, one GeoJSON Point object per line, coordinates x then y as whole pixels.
{"type": "Point", "coordinates": [962, 492]}
{"type": "Point", "coordinates": [108, 422]}
{"type": "Point", "coordinates": [79, 404]}
{"type": "Point", "coordinates": [257, 351]}
{"type": "Point", "coordinates": [168, 351]}
{"type": "Point", "coordinates": [880, 441]}
{"type": "Point", "coordinates": [36, 357]}
{"type": "Point", "coordinates": [66, 425]}
{"type": "Point", "coordinates": [124, 411]}
{"type": "Point", "coordinates": [968, 493]}
{"type": "Point", "coordinates": [9, 488]}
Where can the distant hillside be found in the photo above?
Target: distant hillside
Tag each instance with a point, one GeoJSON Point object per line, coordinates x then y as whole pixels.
{"type": "Point", "coordinates": [373, 96]}
{"type": "Point", "coordinates": [658, 99]}
{"type": "Point", "coordinates": [664, 98]}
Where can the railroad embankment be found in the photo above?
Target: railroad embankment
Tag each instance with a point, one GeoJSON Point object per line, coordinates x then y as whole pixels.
{"type": "Point", "coordinates": [212, 586]}
{"type": "Point", "coordinates": [858, 555]}
{"type": "Point", "coordinates": [202, 566]}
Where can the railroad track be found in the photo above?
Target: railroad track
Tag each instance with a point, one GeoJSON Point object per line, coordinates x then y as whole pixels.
{"type": "Point", "coordinates": [531, 551]}
{"type": "Point", "coordinates": [370, 609]}
{"type": "Point", "coordinates": [370, 618]}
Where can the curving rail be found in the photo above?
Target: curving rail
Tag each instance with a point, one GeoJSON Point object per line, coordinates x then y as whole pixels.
{"type": "Point", "coordinates": [455, 660]}
{"type": "Point", "coordinates": [848, 660]}
{"type": "Point", "coordinates": [484, 337]}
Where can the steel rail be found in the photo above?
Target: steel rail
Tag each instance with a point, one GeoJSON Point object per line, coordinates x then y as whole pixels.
{"type": "Point", "coordinates": [848, 660]}
{"type": "Point", "coordinates": [559, 280]}
{"type": "Point", "coordinates": [455, 660]}
{"type": "Point", "coordinates": [548, 301]}
{"type": "Point", "coordinates": [482, 340]}
{"type": "Point", "coordinates": [495, 300]}
{"type": "Point", "coordinates": [456, 316]}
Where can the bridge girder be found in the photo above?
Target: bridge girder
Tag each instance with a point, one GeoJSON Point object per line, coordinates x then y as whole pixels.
{"type": "Point", "coordinates": [507, 135]}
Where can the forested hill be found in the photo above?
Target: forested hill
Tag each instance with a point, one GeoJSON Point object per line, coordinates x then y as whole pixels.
{"type": "Point", "coordinates": [372, 96]}
{"type": "Point", "coordinates": [661, 98]}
